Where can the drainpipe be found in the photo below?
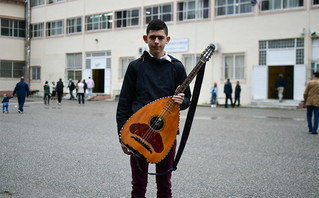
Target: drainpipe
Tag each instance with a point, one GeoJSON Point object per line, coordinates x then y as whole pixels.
{"type": "Point", "coordinates": [27, 48]}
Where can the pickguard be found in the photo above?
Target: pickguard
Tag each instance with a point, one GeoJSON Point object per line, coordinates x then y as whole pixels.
{"type": "Point", "coordinates": [147, 134]}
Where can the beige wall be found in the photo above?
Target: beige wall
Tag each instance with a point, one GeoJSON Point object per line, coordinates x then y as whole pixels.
{"type": "Point", "coordinates": [233, 34]}
{"type": "Point", "coordinates": [11, 48]}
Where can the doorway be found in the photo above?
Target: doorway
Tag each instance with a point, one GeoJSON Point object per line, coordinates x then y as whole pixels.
{"type": "Point", "coordinates": [273, 74]}
{"type": "Point", "coordinates": [98, 78]}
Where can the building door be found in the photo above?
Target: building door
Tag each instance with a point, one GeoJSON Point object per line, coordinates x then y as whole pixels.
{"type": "Point", "coordinates": [98, 78]}
{"type": "Point", "coordinates": [259, 82]}
{"type": "Point", "coordinates": [288, 74]}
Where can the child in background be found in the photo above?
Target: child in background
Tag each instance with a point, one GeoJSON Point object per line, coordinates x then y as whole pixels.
{"type": "Point", "coordinates": [5, 102]}
{"type": "Point", "coordinates": [53, 90]}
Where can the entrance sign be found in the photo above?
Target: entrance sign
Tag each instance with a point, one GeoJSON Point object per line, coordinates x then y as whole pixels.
{"type": "Point", "coordinates": [177, 45]}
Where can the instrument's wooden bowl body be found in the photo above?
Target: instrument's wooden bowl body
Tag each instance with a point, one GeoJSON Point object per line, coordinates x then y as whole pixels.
{"type": "Point", "coordinates": [150, 132]}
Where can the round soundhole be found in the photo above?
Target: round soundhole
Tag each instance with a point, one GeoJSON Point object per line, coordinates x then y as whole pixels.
{"type": "Point", "coordinates": [157, 123]}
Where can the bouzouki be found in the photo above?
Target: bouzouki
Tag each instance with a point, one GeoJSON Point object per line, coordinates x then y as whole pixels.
{"type": "Point", "coordinates": [151, 131]}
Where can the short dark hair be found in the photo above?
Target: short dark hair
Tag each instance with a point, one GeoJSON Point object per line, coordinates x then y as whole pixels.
{"type": "Point", "coordinates": [316, 74]}
{"type": "Point", "coordinates": [157, 24]}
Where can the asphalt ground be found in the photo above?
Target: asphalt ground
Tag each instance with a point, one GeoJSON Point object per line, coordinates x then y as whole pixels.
{"type": "Point", "coordinates": [72, 150]}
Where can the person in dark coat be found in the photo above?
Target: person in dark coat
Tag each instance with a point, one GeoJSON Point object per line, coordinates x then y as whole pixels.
{"type": "Point", "coordinates": [152, 76]}
{"type": "Point", "coordinates": [46, 96]}
{"type": "Point", "coordinates": [22, 90]}
{"type": "Point", "coordinates": [237, 94]}
{"type": "Point", "coordinates": [59, 90]}
{"type": "Point", "coordinates": [228, 90]}
{"type": "Point", "coordinates": [71, 87]}
{"type": "Point", "coordinates": [280, 86]}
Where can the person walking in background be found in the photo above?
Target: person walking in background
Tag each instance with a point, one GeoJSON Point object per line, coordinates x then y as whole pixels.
{"type": "Point", "coordinates": [90, 86]}
{"type": "Point", "coordinates": [71, 87]}
{"type": "Point", "coordinates": [228, 90]}
{"type": "Point", "coordinates": [237, 94]}
{"type": "Point", "coordinates": [5, 103]}
{"type": "Point", "coordinates": [59, 90]}
{"type": "Point", "coordinates": [46, 96]}
{"type": "Point", "coordinates": [22, 91]}
{"type": "Point", "coordinates": [53, 95]}
{"type": "Point", "coordinates": [85, 87]}
{"type": "Point", "coordinates": [80, 88]}
{"type": "Point", "coordinates": [311, 100]}
{"type": "Point", "coordinates": [214, 91]}
{"type": "Point", "coordinates": [77, 88]}
{"type": "Point", "coordinates": [280, 86]}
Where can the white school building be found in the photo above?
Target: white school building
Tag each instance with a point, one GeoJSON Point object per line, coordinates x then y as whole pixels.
{"type": "Point", "coordinates": [77, 39]}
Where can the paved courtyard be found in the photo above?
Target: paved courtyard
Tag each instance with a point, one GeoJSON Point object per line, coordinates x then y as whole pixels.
{"type": "Point", "coordinates": [72, 150]}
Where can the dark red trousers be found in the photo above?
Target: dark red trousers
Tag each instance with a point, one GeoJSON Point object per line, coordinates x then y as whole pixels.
{"type": "Point", "coordinates": [139, 178]}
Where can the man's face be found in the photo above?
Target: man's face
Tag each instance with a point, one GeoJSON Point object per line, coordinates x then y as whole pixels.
{"type": "Point", "coordinates": [156, 41]}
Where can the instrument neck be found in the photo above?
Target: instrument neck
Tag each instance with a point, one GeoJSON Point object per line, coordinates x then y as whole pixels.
{"type": "Point", "coordinates": [190, 77]}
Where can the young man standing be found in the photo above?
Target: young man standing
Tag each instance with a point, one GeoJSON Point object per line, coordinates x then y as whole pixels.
{"type": "Point", "coordinates": [154, 75]}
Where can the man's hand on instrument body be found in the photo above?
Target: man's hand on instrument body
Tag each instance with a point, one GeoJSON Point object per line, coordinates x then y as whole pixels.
{"type": "Point", "coordinates": [125, 150]}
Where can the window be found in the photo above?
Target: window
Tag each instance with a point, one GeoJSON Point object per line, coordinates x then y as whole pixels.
{"type": "Point", "coordinates": [297, 44]}
{"type": "Point", "coordinates": [163, 12]}
{"type": "Point", "coordinates": [74, 25]}
{"type": "Point", "coordinates": [266, 5]}
{"type": "Point", "coordinates": [189, 61]}
{"type": "Point", "coordinates": [55, 28]}
{"type": "Point", "coordinates": [127, 18]}
{"type": "Point", "coordinates": [11, 69]}
{"type": "Point", "coordinates": [124, 62]}
{"type": "Point", "coordinates": [262, 52]}
{"type": "Point", "coordinates": [300, 51]}
{"type": "Point", "coordinates": [99, 21]}
{"type": "Point", "coordinates": [36, 2]}
{"type": "Point", "coordinates": [232, 7]}
{"type": "Point", "coordinates": [74, 66]}
{"type": "Point", "coordinates": [12, 28]}
{"type": "Point", "coordinates": [190, 10]}
{"type": "Point", "coordinates": [315, 2]}
{"type": "Point", "coordinates": [37, 30]}
{"type": "Point", "coordinates": [234, 66]}
{"type": "Point", "coordinates": [35, 73]}
{"type": "Point", "coordinates": [54, 1]}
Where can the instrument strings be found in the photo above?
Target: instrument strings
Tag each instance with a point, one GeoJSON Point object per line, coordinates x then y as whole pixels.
{"type": "Point", "coordinates": [166, 110]}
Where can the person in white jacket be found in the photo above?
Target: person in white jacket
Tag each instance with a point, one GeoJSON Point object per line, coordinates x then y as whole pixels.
{"type": "Point", "coordinates": [81, 92]}
{"type": "Point", "coordinates": [90, 85]}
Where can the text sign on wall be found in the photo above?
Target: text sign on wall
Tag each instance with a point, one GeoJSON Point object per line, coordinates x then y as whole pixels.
{"type": "Point", "coordinates": [177, 45]}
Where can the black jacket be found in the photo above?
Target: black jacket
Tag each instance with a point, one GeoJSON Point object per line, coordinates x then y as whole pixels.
{"type": "Point", "coordinates": [146, 80]}
{"type": "Point", "coordinates": [59, 86]}
{"type": "Point", "coordinates": [228, 88]}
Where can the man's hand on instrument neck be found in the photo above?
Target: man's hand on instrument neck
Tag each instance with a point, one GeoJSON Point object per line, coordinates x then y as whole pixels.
{"type": "Point", "coordinates": [178, 98]}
